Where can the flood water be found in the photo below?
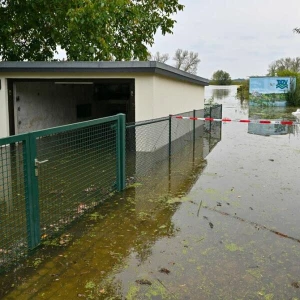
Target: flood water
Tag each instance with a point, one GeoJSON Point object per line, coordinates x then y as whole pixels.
{"type": "Point", "coordinates": [221, 226]}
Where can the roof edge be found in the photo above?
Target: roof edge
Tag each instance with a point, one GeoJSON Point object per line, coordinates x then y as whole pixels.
{"type": "Point", "coordinates": [102, 67]}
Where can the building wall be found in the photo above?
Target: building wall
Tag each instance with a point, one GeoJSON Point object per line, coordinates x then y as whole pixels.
{"type": "Point", "coordinates": [174, 96]}
{"type": "Point", "coordinates": [4, 125]}
{"type": "Point", "coordinates": [170, 97]}
{"type": "Point", "coordinates": [155, 96]}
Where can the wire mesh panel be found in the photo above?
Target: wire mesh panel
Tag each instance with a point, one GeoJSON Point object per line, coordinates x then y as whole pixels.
{"type": "Point", "coordinates": [147, 144]}
{"type": "Point", "coordinates": [13, 195]}
{"type": "Point", "coordinates": [181, 132]}
{"type": "Point", "coordinates": [76, 170]}
{"type": "Point", "coordinates": [213, 111]}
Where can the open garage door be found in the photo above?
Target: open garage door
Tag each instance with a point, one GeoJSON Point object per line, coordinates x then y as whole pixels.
{"type": "Point", "coordinates": [39, 104]}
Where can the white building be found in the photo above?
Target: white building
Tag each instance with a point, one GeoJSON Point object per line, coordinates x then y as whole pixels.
{"type": "Point", "coordinates": [39, 95]}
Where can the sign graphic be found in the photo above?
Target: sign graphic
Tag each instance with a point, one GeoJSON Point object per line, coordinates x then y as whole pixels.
{"type": "Point", "coordinates": [269, 91]}
{"type": "Point", "coordinates": [282, 84]}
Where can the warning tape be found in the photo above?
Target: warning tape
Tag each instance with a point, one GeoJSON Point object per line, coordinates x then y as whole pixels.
{"type": "Point", "coordinates": [284, 122]}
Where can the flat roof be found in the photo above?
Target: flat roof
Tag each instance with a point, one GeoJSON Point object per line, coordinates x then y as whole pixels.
{"type": "Point", "coordinates": [101, 67]}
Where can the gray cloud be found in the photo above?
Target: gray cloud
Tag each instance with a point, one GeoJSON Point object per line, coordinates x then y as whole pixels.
{"type": "Point", "coordinates": [241, 37]}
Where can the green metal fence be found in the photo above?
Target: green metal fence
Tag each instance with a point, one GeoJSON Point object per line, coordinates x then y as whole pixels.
{"type": "Point", "coordinates": [149, 143]}
{"type": "Point", "coordinates": [51, 177]}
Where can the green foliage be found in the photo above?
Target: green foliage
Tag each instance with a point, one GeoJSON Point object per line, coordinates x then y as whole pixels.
{"type": "Point", "coordinates": [221, 77]}
{"type": "Point", "coordinates": [87, 29]}
{"type": "Point", "coordinates": [284, 64]}
{"type": "Point", "coordinates": [243, 91]}
{"type": "Point", "coordinates": [293, 96]}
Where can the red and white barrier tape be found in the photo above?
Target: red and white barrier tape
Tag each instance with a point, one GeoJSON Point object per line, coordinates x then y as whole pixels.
{"type": "Point", "coordinates": [284, 122]}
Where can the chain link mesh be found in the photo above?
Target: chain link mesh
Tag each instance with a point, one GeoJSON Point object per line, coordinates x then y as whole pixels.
{"type": "Point", "coordinates": [148, 145]}
{"type": "Point", "coordinates": [78, 172]}
{"type": "Point", "coordinates": [77, 169]}
{"type": "Point", "coordinates": [13, 231]}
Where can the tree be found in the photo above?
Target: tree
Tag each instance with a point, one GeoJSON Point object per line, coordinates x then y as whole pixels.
{"type": "Point", "coordinates": [160, 57]}
{"type": "Point", "coordinates": [85, 29]}
{"type": "Point", "coordinates": [289, 64]}
{"type": "Point", "coordinates": [186, 61]}
{"type": "Point", "coordinates": [221, 77]}
{"type": "Point", "coordinates": [297, 30]}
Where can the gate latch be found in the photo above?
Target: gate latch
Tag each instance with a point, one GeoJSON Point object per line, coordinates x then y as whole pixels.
{"type": "Point", "coordinates": [37, 163]}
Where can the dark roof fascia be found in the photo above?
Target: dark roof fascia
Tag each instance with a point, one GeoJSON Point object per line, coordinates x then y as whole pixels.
{"type": "Point", "coordinates": [102, 67]}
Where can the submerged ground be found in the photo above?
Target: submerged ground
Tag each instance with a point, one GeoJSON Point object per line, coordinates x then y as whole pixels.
{"type": "Point", "coordinates": [223, 227]}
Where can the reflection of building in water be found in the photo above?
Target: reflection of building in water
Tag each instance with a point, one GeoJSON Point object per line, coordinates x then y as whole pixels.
{"type": "Point", "coordinates": [269, 129]}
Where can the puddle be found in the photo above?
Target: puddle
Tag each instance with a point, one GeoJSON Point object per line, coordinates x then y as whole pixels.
{"type": "Point", "coordinates": [218, 226]}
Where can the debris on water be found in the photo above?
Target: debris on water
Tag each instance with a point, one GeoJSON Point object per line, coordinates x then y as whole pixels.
{"type": "Point", "coordinates": [56, 192]}
{"type": "Point", "coordinates": [143, 281]}
{"type": "Point", "coordinates": [81, 208]}
{"type": "Point", "coordinates": [134, 185]}
{"type": "Point", "coordinates": [199, 208]}
{"type": "Point", "coordinates": [164, 270]}
{"type": "Point", "coordinates": [233, 247]}
{"type": "Point", "coordinates": [295, 284]}
{"type": "Point", "coordinates": [200, 240]}
{"type": "Point", "coordinates": [251, 208]}
{"type": "Point", "coordinates": [130, 181]}
{"type": "Point", "coordinates": [81, 295]}
{"type": "Point", "coordinates": [211, 225]}
{"type": "Point", "coordinates": [90, 189]}
{"type": "Point", "coordinates": [271, 159]}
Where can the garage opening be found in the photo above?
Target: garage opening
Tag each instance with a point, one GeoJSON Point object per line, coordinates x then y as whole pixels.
{"type": "Point", "coordinates": [40, 104]}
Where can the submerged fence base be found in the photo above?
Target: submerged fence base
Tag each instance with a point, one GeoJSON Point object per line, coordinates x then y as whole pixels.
{"type": "Point", "coordinates": [49, 178]}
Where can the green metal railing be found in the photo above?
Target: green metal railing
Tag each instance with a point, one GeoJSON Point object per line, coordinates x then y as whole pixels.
{"type": "Point", "coordinates": [49, 178]}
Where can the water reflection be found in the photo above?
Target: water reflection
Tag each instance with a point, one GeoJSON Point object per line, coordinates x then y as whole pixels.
{"type": "Point", "coordinates": [221, 93]}
{"type": "Point", "coordinates": [270, 129]}
{"type": "Point", "coordinates": [124, 227]}
{"type": "Point", "coordinates": [235, 108]}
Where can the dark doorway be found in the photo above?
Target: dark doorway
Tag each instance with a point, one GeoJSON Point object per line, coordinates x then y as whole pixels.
{"type": "Point", "coordinates": [116, 96]}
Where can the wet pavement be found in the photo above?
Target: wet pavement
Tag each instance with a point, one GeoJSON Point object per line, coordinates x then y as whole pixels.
{"type": "Point", "coordinates": [224, 226]}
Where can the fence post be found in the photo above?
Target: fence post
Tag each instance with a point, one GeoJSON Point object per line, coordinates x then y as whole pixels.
{"type": "Point", "coordinates": [210, 115]}
{"type": "Point", "coordinates": [170, 135]}
{"type": "Point", "coordinates": [194, 133]}
{"type": "Point", "coordinates": [121, 142]}
{"type": "Point", "coordinates": [32, 195]}
{"type": "Point", "coordinates": [194, 127]}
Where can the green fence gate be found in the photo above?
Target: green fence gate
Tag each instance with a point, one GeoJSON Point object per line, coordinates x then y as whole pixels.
{"type": "Point", "coordinates": [49, 178]}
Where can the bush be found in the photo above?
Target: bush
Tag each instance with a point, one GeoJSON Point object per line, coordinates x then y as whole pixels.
{"type": "Point", "coordinates": [243, 91]}
{"type": "Point", "coordinates": [293, 96]}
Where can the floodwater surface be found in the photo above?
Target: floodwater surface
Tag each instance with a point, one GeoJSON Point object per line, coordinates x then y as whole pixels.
{"type": "Point", "coordinates": [221, 226]}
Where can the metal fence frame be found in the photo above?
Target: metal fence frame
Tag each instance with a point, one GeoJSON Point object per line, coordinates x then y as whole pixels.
{"type": "Point", "coordinates": [28, 142]}
{"type": "Point", "coordinates": [27, 146]}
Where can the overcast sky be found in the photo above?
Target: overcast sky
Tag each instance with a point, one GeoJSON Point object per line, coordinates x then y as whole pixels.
{"type": "Point", "coordinates": [241, 37]}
